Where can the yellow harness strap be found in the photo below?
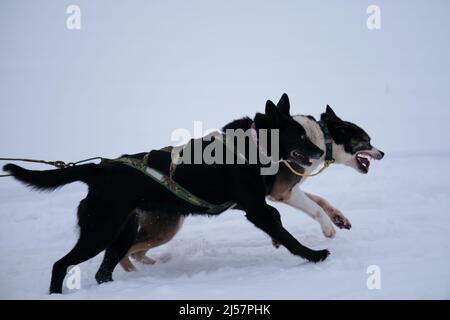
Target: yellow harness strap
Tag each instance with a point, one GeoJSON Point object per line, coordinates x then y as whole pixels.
{"type": "Point", "coordinates": [326, 164]}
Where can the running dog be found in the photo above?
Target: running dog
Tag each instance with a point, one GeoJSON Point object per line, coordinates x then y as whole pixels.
{"type": "Point", "coordinates": [350, 145]}
{"type": "Point", "coordinates": [347, 144]}
{"type": "Point", "coordinates": [107, 216]}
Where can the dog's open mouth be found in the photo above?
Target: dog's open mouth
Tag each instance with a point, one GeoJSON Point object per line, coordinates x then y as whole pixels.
{"type": "Point", "coordinates": [363, 161]}
{"type": "Point", "coordinates": [301, 158]}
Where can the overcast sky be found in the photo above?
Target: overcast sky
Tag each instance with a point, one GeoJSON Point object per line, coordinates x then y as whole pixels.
{"type": "Point", "coordinates": [137, 70]}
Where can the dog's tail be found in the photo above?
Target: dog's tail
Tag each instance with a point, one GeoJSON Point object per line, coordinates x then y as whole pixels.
{"type": "Point", "coordinates": [52, 179]}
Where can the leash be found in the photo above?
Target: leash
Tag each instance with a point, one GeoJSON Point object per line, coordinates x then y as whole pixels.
{"type": "Point", "coordinates": [58, 164]}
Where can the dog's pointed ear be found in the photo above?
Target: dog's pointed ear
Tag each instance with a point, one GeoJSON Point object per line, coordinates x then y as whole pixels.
{"type": "Point", "coordinates": [271, 109]}
{"type": "Point", "coordinates": [284, 105]}
{"type": "Point", "coordinates": [329, 114]}
{"type": "Point", "coordinates": [330, 111]}
{"type": "Point", "coordinates": [273, 113]}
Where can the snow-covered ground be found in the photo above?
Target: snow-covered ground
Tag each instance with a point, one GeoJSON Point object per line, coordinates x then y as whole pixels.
{"type": "Point", "coordinates": [400, 213]}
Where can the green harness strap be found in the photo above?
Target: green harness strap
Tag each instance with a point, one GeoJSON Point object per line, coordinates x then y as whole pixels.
{"type": "Point", "coordinates": [172, 186]}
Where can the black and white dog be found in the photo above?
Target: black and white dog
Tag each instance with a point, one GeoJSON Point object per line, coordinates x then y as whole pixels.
{"type": "Point", "coordinates": [107, 218]}
{"type": "Point", "coordinates": [350, 146]}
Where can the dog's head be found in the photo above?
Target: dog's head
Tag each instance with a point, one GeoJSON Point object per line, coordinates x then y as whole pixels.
{"type": "Point", "coordinates": [353, 143]}
{"type": "Point", "coordinates": [294, 142]}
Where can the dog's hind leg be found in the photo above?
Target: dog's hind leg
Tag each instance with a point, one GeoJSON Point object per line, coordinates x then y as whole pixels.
{"type": "Point", "coordinates": [156, 229]}
{"type": "Point", "coordinates": [143, 258]}
{"type": "Point", "coordinates": [118, 250]}
{"type": "Point", "coordinates": [138, 251]}
{"type": "Point", "coordinates": [126, 264]}
{"type": "Point", "coordinates": [98, 228]}
{"type": "Point", "coordinates": [87, 247]}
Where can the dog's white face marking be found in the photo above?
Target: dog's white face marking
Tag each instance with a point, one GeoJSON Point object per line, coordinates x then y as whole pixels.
{"type": "Point", "coordinates": [359, 161]}
{"type": "Point", "coordinates": [341, 156]}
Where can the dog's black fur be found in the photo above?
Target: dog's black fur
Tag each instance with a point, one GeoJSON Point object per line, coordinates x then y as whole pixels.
{"type": "Point", "coordinates": [106, 216]}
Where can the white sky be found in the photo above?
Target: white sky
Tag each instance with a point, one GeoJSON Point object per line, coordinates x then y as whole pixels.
{"type": "Point", "coordinates": [139, 69]}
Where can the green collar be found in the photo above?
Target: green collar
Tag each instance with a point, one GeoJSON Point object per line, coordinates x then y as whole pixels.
{"type": "Point", "coordinates": [328, 141]}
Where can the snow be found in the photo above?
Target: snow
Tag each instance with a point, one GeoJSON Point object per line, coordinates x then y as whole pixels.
{"type": "Point", "coordinates": [135, 73]}
{"type": "Point", "coordinates": [399, 212]}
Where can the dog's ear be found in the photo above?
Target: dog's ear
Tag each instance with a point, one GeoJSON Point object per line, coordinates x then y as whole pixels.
{"type": "Point", "coordinates": [284, 105]}
{"type": "Point", "coordinates": [272, 112]}
{"type": "Point", "coordinates": [271, 109]}
{"type": "Point", "coordinates": [329, 114]}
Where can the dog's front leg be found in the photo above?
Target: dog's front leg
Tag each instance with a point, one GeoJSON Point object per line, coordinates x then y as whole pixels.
{"type": "Point", "coordinates": [263, 217]}
{"type": "Point", "coordinates": [335, 214]}
{"type": "Point", "coordinates": [248, 191]}
{"type": "Point", "coordinates": [298, 199]}
{"type": "Point", "coordinates": [277, 217]}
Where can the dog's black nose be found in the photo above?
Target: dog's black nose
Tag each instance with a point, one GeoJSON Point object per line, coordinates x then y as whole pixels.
{"type": "Point", "coordinates": [382, 155]}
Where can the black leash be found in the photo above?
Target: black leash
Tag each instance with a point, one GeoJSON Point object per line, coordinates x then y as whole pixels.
{"type": "Point", "coordinates": [58, 164]}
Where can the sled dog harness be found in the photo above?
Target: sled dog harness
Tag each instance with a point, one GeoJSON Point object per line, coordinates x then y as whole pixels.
{"type": "Point", "coordinates": [168, 183]}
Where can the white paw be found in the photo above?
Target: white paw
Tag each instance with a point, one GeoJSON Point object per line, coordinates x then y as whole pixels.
{"type": "Point", "coordinates": [328, 230]}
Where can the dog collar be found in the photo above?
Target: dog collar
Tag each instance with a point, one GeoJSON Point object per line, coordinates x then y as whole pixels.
{"type": "Point", "coordinates": [328, 141]}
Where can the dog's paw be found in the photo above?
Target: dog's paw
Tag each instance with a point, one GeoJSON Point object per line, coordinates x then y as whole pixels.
{"type": "Point", "coordinates": [319, 255]}
{"type": "Point", "coordinates": [339, 219]}
{"type": "Point", "coordinates": [341, 222]}
{"type": "Point", "coordinates": [328, 230]}
{"type": "Point", "coordinates": [275, 243]}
